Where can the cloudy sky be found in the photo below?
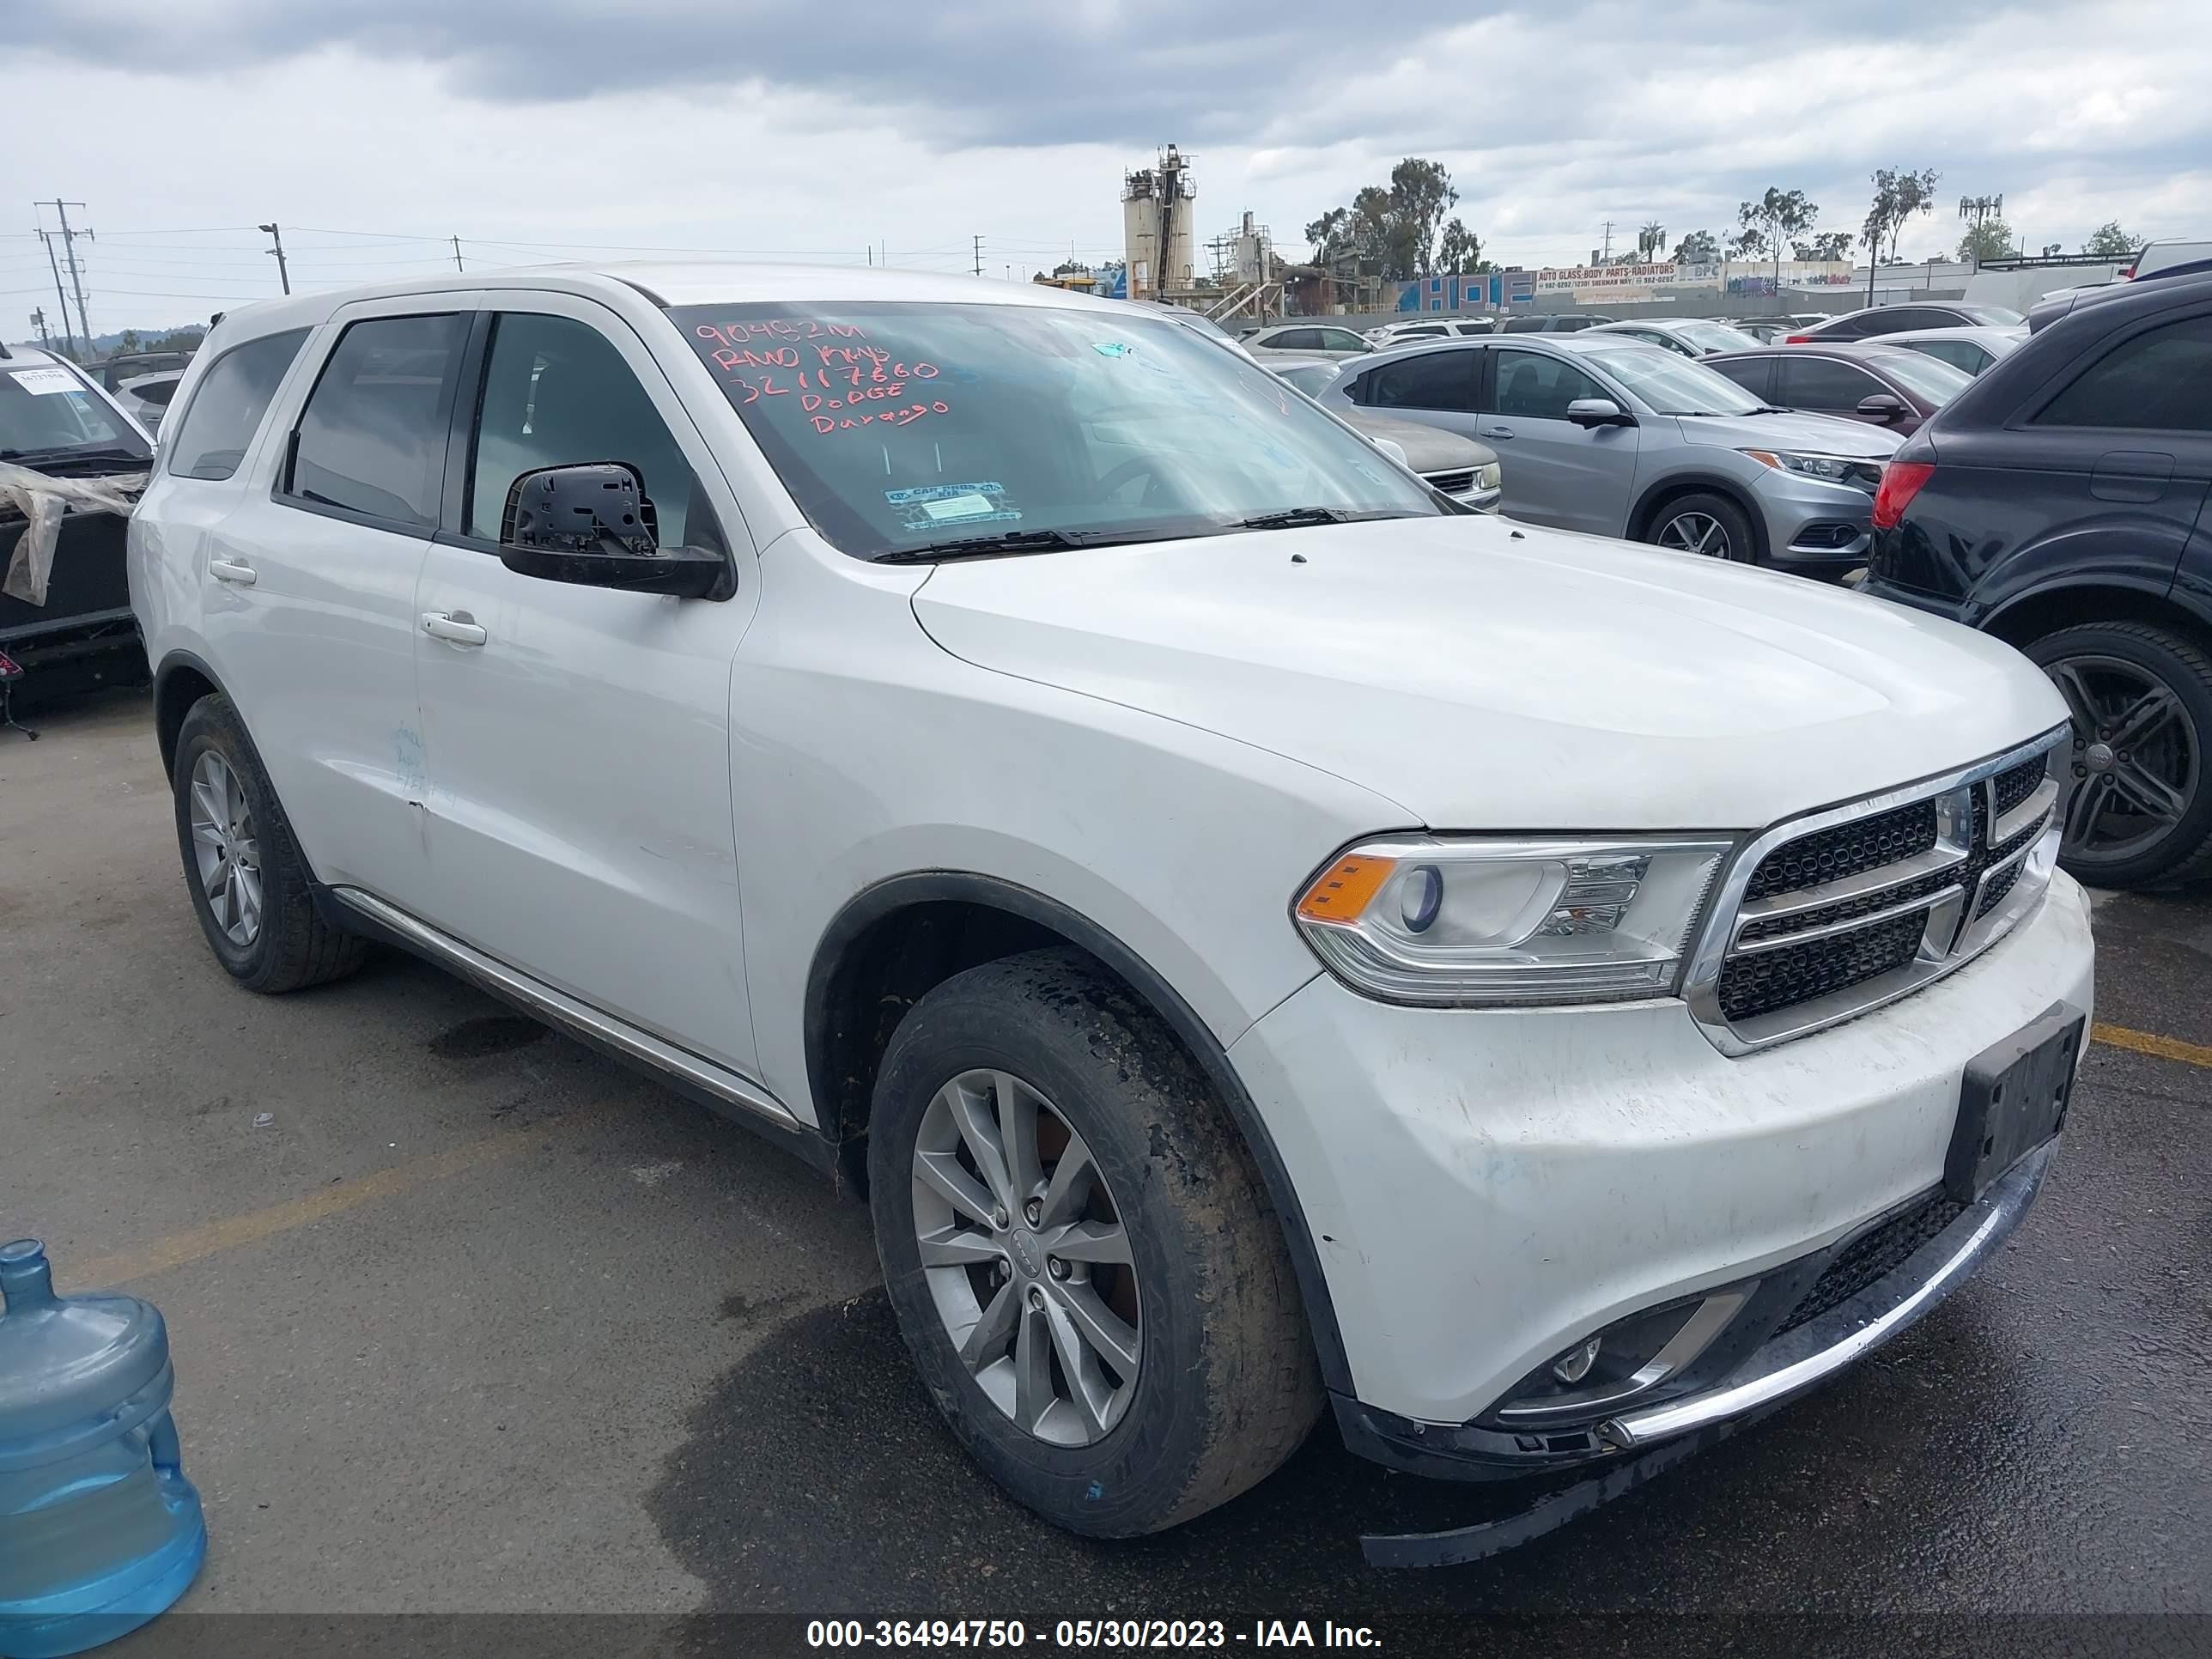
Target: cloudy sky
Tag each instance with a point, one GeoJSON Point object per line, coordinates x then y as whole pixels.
{"type": "Point", "coordinates": [537, 129]}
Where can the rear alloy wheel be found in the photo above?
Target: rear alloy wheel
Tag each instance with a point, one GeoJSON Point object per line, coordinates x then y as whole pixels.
{"type": "Point", "coordinates": [2136, 808]}
{"type": "Point", "coordinates": [249, 885]}
{"type": "Point", "coordinates": [1710, 526]}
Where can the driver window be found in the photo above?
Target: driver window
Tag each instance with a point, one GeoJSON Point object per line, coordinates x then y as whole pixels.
{"type": "Point", "coordinates": [556, 392]}
{"type": "Point", "coordinates": [1538, 387]}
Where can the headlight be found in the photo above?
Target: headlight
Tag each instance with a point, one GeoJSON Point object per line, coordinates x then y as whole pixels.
{"type": "Point", "coordinates": [1460, 923]}
{"type": "Point", "coordinates": [1489, 477]}
{"type": "Point", "coordinates": [1835, 469]}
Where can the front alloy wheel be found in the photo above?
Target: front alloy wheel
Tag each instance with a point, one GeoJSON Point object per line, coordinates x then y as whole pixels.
{"type": "Point", "coordinates": [1026, 1259]}
{"type": "Point", "coordinates": [1696, 532]}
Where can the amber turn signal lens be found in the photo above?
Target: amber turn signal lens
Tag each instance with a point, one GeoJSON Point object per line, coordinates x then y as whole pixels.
{"type": "Point", "coordinates": [1340, 892]}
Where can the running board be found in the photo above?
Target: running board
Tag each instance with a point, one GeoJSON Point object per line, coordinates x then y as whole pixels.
{"type": "Point", "coordinates": [557, 1007]}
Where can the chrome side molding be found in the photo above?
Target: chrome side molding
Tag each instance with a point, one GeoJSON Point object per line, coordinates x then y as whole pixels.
{"type": "Point", "coordinates": [593, 1024]}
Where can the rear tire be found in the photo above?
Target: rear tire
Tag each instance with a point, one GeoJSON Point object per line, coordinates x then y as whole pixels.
{"type": "Point", "coordinates": [1710, 525]}
{"type": "Point", "coordinates": [251, 887]}
{"type": "Point", "coordinates": [1224, 1385]}
{"type": "Point", "coordinates": [2140, 697]}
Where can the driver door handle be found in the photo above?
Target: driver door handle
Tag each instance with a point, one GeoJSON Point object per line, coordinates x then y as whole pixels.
{"type": "Point", "coordinates": [1495, 432]}
{"type": "Point", "coordinates": [228, 570]}
{"type": "Point", "coordinates": [455, 627]}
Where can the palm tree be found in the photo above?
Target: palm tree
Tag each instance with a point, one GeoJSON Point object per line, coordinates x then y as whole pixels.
{"type": "Point", "coordinates": [1650, 240]}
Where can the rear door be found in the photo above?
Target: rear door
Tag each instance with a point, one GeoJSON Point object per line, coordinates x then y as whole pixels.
{"type": "Point", "coordinates": [1435, 387]}
{"type": "Point", "coordinates": [310, 591]}
{"type": "Point", "coordinates": [577, 739]}
{"type": "Point", "coordinates": [1754, 374]}
{"type": "Point", "coordinates": [1555, 472]}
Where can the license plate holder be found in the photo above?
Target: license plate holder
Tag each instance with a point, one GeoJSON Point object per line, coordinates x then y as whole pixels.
{"type": "Point", "coordinates": [2013, 1099]}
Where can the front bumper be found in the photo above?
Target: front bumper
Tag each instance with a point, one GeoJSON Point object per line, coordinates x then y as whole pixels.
{"type": "Point", "coordinates": [1485, 1188]}
{"type": "Point", "coordinates": [1812, 524]}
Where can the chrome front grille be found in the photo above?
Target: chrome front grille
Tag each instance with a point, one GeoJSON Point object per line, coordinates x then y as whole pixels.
{"type": "Point", "coordinates": [1452, 483]}
{"type": "Point", "coordinates": [1825, 917]}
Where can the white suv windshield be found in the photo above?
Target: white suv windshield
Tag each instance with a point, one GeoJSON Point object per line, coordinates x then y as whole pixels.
{"type": "Point", "coordinates": [1669, 384]}
{"type": "Point", "coordinates": [914, 428]}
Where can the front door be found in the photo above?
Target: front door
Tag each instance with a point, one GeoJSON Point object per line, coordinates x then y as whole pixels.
{"type": "Point", "coordinates": [1575, 477]}
{"type": "Point", "coordinates": [309, 583]}
{"type": "Point", "coordinates": [577, 739]}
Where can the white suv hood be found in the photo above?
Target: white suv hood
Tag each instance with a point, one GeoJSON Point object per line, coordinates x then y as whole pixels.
{"type": "Point", "coordinates": [1489, 675]}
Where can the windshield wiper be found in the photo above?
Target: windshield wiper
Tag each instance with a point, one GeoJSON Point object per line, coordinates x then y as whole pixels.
{"type": "Point", "coordinates": [979, 547]}
{"type": "Point", "coordinates": [1297, 518]}
{"type": "Point", "coordinates": [71, 453]}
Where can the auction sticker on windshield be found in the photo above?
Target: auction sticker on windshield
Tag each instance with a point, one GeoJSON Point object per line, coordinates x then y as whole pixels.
{"type": "Point", "coordinates": [42, 382]}
{"type": "Point", "coordinates": [927, 506]}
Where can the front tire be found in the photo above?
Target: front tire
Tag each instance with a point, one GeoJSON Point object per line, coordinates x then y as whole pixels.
{"type": "Point", "coordinates": [2137, 811]}
{"type": "Point", "coordinates": [250, 888]}
{"type": "Point", "coordinates": [1079, 1252]}
{"type": "Point", "coordinates": [1709, 526]}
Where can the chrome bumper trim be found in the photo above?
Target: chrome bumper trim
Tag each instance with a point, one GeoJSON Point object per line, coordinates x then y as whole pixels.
{"type": "Point", "coordinates": [1816, 1352]}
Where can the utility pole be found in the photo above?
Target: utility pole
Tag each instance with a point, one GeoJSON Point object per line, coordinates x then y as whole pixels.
{"type": "Point", "coordinates": [39, 320]}
{"type": "Point", "coordinates": [68, 347]}
{"type": "Point", "coordinates": [76, 280]}
{"type": "Point", "coordinates": [283, 275]}
{"type": "Point", "coordinates": [458, 265]}
{"type": "Point", "coordinates": [979, 256]}
{"type": "Point", "coordinates": [1608, 242]}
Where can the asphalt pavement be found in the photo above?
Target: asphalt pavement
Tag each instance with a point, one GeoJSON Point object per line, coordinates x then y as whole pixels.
{"type": "Point", "coordinates": [469, 1320]}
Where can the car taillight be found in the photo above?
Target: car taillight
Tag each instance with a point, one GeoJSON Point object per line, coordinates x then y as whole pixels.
{"type": "Point", "coordinates": [1901, 483]}
{"type": "Point", "coordinates": [1796, 339]}
{"type": "Point", "coordinates": [2127, 274]}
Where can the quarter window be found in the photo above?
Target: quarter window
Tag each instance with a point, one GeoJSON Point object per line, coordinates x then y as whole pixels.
{"type": "Point", "coordinates": [1435, 379]}
{"type": "Point", "coordinates": [556, 393]}
{"type": "Point", "coordinates": [371, 439]}
{"type": "Point", "coordinates": [225, 411]}
{"type": "Point", "coordinates": [1540, 388]}
{"type": "Point", "coordinates": [2159, 379]}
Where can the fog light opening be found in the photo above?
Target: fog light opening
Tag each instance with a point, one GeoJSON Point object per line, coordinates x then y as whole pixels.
{"type": "Point", "coordinates": [1573, 1365]}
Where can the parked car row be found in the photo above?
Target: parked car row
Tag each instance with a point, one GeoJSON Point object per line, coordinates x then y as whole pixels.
{"type": "Point", "coordinates": [1602, 433]}
{"type": "Point", "coordinates": [1058, 781]}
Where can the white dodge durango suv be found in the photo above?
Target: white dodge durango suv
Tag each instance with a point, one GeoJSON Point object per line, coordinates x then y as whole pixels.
{"type": "Point", "coordinates": [1261, 936]}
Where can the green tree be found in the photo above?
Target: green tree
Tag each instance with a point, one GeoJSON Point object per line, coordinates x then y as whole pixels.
{"type": "Point", "coordinates": [1776, 217]}
{"type": "Point", "coordinates": [1898, 195]}
{"type": "Point", "coordinates": [127, 342]}
{"type": "Point", "coordinates": [1650, 240]}
{"type": "Point", "coordinates": [1829, 245]}
{"type": "Point", "coordinates": [1460, 249]}
{"type": "Point", "coordinates": [1986, 240]}
{"type": "Point", "coordinates": [1395, 225]}
{"type": "Point", "coordinates": [1699, 247]}
{"type": "Point", "coordinates": [1749, 243]}
{"type": "Point", "coordinates": [2109, 241]}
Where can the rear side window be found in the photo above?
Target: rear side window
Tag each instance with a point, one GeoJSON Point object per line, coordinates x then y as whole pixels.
{"type": "Point", "coordinates": [1959, 353]}
{"type": "Point", "coordinates": [1823, 383]}
{"type": "Point", "coordinates": [1297, 339]}
{"type": "Point", "coordinates": [226, 410]}
{"type": "Point", "coordinates": [371, 439]}
{"type": "Point", "coordinates": [2159, 380]}
{"type": "Point", "coordinates": [1435, 379]}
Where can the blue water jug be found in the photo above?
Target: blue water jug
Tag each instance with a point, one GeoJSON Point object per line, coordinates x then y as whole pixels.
{"type": "Point", "coordinates": [99, 1530]}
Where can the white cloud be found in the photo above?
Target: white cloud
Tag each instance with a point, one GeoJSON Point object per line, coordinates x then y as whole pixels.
{"type": "Point", "coordinates": [1552, 119]}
